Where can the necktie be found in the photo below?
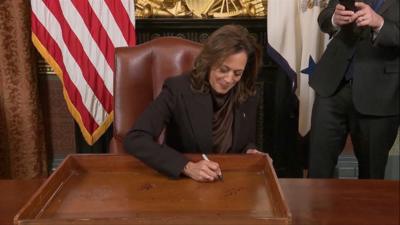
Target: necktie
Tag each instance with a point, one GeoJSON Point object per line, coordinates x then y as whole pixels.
{"type": "Point", "coordinates": [376, 5]}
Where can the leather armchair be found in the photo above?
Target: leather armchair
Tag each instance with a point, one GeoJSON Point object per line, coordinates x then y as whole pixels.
{"type": "Point", "coordinates": [140, 72]}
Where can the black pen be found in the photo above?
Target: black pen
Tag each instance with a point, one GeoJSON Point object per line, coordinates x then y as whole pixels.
{"type": "Point", "coordinates": [220, 177]}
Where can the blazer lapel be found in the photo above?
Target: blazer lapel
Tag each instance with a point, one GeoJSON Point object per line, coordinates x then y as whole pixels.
{"type": "Point", "coordinates": [199, 108]}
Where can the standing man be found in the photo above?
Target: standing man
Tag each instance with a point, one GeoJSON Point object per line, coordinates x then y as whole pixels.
{"type": "Point", "coordinates": [357, 87]}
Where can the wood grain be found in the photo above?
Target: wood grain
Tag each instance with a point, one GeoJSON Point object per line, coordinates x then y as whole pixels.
{"type": "Point", "coordinates": [118, 189]}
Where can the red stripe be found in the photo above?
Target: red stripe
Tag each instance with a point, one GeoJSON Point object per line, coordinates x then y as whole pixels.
{"type": "Point", "coordinates": [96, 29]}
{"type": "Point", "coordinates": [54, 50]}
{"type": "Point", "coordinates": [74, 45]}
{"type": "Point", "coordinates": [122, 18]}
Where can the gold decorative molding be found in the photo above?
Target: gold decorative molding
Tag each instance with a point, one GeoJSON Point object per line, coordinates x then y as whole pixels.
{"type": "Point", "coordinates": [43, 67]}
{"type": "Point", "coordinates": [200, 8]}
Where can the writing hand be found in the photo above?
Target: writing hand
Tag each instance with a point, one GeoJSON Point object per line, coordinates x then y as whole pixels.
{"type": "Point", "coordinates": [341, 16]}
{"type": "Point", "coordinates": [203, 171]}
{"type": "Point", "coordinates": [366, 16]}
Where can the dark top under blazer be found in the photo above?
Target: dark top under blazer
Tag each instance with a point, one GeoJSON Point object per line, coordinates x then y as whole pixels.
{"type": "Point", "coordinates": [375, 85]}
{"type": "Point", "coordinates": [187, 117]}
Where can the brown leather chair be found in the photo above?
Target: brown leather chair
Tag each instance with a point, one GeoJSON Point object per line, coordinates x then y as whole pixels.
{"type": "Point", "coordinates": [139, 75]}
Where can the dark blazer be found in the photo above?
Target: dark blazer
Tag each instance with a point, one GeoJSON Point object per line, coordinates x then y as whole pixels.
{"type": "Point", "coordinates": [375, 86]}
{"type": "Point", "coordinates": [187, 117]}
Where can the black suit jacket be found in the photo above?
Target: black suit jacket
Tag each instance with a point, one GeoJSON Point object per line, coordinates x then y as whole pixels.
{"type": "Point", "coordinates": [375, 85]}
{"type": "Point", "coordinates": [187, 117]}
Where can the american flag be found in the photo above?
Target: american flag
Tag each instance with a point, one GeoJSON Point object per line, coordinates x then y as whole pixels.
{"type": "Point", "coordinates": [77, 38]}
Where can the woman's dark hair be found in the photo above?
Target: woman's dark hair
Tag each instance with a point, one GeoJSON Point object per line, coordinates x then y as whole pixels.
{"type": "Point", "coordinates": [228, 40]}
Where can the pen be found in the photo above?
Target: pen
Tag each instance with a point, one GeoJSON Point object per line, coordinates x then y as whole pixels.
{"type": "Point", "coordinates": [220, 177]}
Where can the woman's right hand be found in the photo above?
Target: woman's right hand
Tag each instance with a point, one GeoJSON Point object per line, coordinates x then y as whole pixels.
{"type": "Point", "coordinates": [202, 171]}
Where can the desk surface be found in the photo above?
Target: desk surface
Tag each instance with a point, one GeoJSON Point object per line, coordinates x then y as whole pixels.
{"type": "Point", "coordinates": [311, 201]}
{"type": "Point", "coordinates": [119, 189]}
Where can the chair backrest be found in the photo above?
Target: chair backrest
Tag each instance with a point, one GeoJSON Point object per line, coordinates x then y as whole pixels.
{"type": "Point", "coordinates": [140, 72]}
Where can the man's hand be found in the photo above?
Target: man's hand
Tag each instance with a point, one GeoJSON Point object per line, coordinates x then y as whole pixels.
{"type": "Point", "coordinates": [341, 16]}
{"type": "Point", "coordinates": [366, 16]}
{"type": "Point", "coordinates": [203, 171]}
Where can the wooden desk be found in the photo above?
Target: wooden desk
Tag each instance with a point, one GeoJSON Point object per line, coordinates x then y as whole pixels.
{"type": "Point", "coordinates": [13, 195]}
{"type": "Point", "coordinates": [342, 202]}
{"type": "Point", "coordinates": [311, 202]}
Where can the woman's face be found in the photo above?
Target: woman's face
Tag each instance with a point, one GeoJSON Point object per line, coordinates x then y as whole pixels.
{"type": "Point", "coordinates": [225, 76]}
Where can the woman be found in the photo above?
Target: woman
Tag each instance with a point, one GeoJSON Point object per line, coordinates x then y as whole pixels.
{"type": "Point", "coordinates": [212, 109]}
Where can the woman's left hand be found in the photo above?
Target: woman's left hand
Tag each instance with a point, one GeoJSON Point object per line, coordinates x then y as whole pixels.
{"type": "Point", "coordinates": [255, 151]}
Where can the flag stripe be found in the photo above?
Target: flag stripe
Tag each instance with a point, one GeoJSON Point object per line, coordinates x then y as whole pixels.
{"type": "Point", "coordinates": [97, 30]}
{"type": "Point", "coordinates": [110, 25]}
{"type": "Point", "coordinates": [130, 9]}
{"type": "Point", "coordinates": [80, 65]}
{"type": "Point", "coordinates": [71, 90]}
{"type": "Point", "coordinates": [71, 67]}
{"type": "Point", "coordinates": [121, 16]}
{"type": "Point", "coordinates": [78, 39]}
{"type": "Point", "coordinates": [90, 47]}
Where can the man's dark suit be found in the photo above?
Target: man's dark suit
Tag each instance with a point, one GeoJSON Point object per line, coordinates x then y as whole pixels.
{"type": "Point", "coordinates": [187, 117]}
{"type": "Point", "coordinates": [367, 105]}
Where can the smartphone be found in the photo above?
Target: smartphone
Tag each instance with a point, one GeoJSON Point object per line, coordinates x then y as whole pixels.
{"type": "Point", "coordinates": [349, 4]}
